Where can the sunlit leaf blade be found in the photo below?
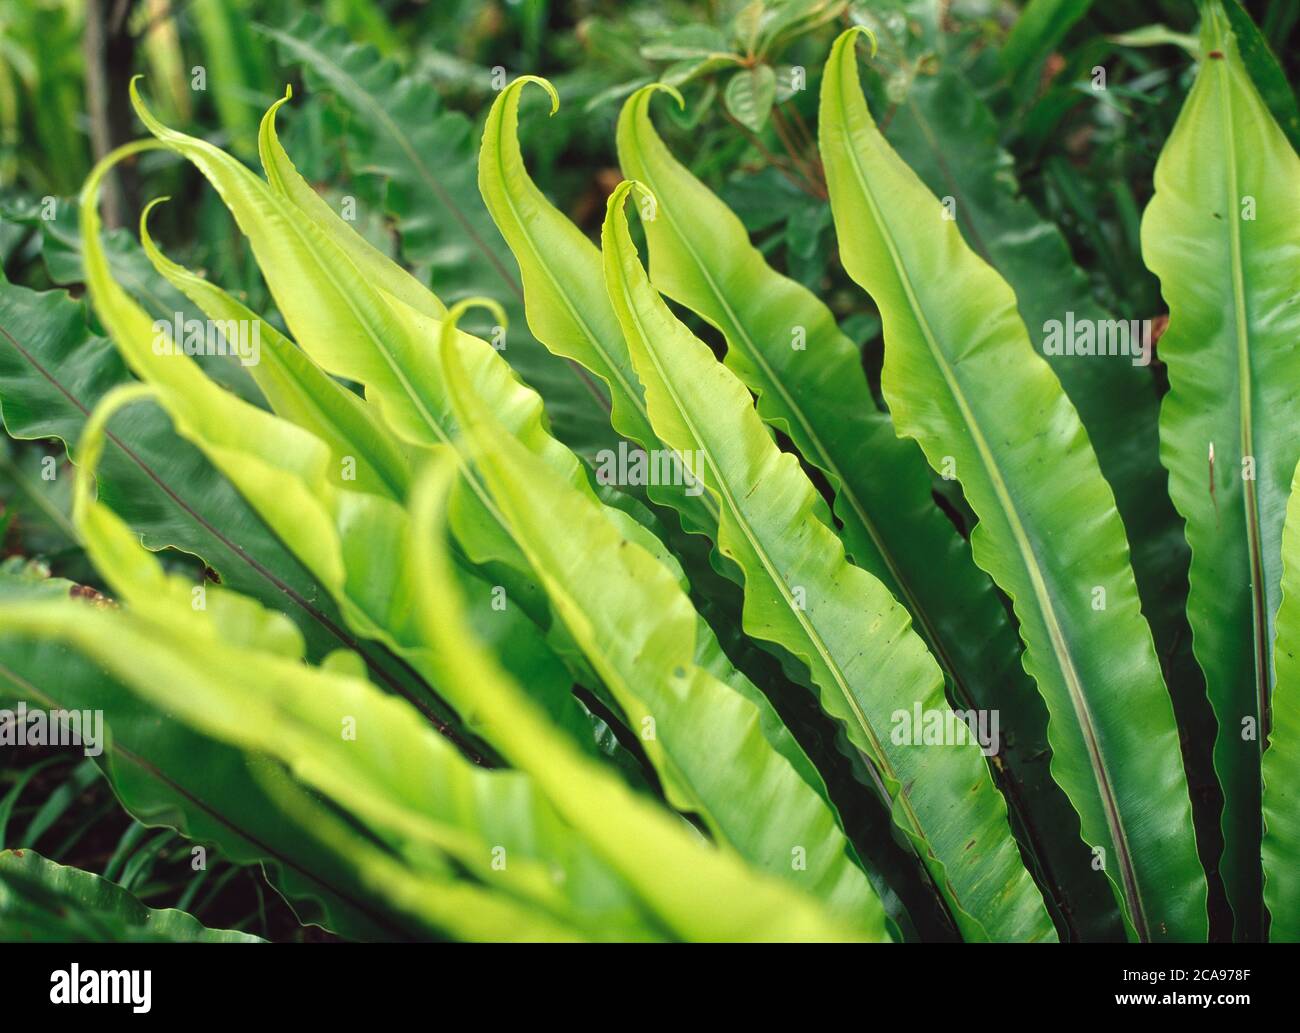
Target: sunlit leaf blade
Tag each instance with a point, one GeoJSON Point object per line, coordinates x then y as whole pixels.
{"type": "Point", "coordinates": [567, 308]}
{"type": "Point", "coordinates": [342, 536]}
{"type": "Point", "coordinates": [963, 379]}
{"type": "Point", "coordinates": [638, 629]}
{"type": "Point", "coordinates": [295, 387]}
{"type": "Point", "coordinates": [1223, 235]}
{"type": "Point", "coordinates": [265, 703]}
{"type": "Point", "coordinates": [41, 901]}
{"type": "Point", "coordinates": [220, 670]}
{"type": "Point", "coordinates": [364, 334]}
{"type": "Point", "coordinates": [1281, 762]}
{"type": "Point", "coordinates": [169, 775]}
{"type": "Point", "coordinates": [696, 890]}
{"type": "Point", "coordinates": [950, 138]}
{"type": "Point", "coordinates": [1265, 72]}
{"type": "Point", "coordinates": [355, 330]}
{"type": "Point", "coordinates": [54, 370]}
{"type": "Point", "coordinates": [350, 539]}
{"type": "Point", "coordinates": [376, 267]}
{"type": "Point", "coordinates": [782, 342]}
{"type": "Point", "coordinates": [801, 592]}
{"type": "Point", "coordinates": [426, 153]}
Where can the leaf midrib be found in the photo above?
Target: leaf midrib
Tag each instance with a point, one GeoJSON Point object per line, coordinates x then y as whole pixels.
{"type": "Point", "coordinates": [1065, 660]}
{"type": "Point", "coordinates": [378, 112]}
{"type": "Point", "coordinates": [628, 391]}
{"type": "Point", "coordinates": [395, 132]}
{"type": "Point", "coordinates": [810, 632]}
{"type": "Point", "coordinates": [377, 342]}
{"type": "Point", "coordinates": [287, 369]}
{"type": "Point", "coordinates": [822, 457]}
{"type": "Point", "coordinates": [1245, 407]}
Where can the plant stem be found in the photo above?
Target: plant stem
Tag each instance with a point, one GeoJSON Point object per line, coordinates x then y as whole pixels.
{"type": "Point", "coordinates": [781, 166]}
{"type": "Point", "coordinates": [806, 167]}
